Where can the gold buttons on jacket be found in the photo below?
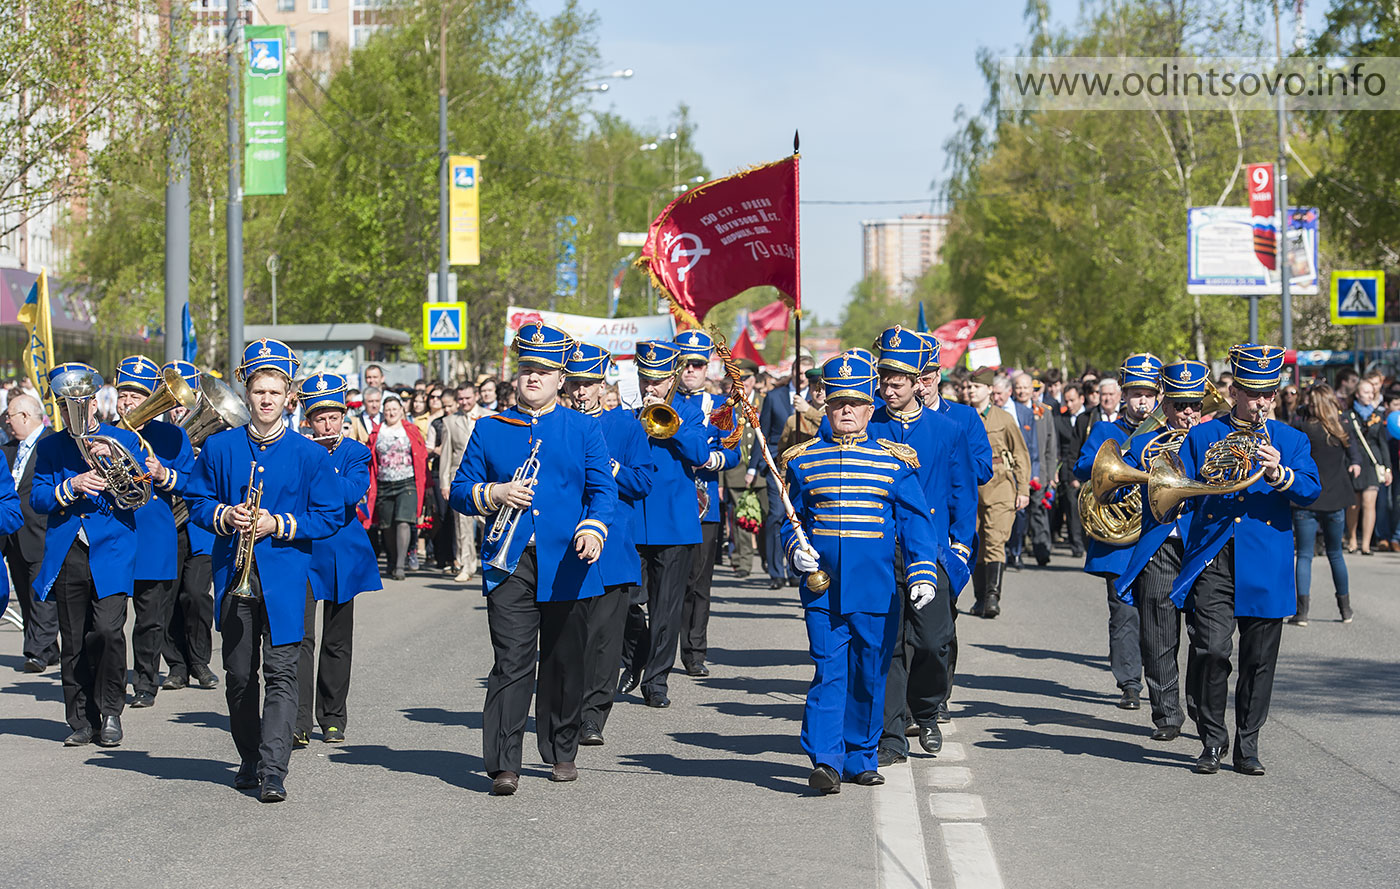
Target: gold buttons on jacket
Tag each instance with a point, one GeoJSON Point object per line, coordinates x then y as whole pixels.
{"type": "Point", "coordinates": [1237, 519]}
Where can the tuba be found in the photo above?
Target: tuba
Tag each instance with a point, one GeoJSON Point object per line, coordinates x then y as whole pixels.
{"type": "Point", "coordinates": [217, 409]}
{"type": "Point", "coordinates": [661, 420]}
{"type": "Point", "coordinates": [125, 475]}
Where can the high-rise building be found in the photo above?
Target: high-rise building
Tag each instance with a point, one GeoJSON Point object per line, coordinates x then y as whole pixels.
{"type": "Point", "coordinates": [902, 249]}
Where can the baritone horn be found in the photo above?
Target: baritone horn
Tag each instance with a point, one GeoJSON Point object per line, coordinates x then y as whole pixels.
{"type": "Point", "coordinates": [125, 475]}
{"type": "Point", "coordinates": [174, 391]}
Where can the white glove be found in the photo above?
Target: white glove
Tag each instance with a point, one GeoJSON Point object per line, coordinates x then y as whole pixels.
{"type": "Point", "coordinates": [715, 462]}
{"type": "Point", "coordinates": [804, 561]}
{"type": "Point", "coordinates": [920, 594]}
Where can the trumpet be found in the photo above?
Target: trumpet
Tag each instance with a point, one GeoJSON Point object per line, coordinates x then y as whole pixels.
{"type": "Point", "coordinates": [508, 518]}
{"type": "Point", "coordinates": [125, 476]}
{"type": "Point", "coordinates": [241, 585]}
{"type": "Point", "coordinates": [660, 420]}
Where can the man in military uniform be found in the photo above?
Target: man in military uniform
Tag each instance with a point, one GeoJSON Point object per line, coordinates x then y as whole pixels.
{"type": "Point", "coordinates": [1140, 380]}
{"type": "Point", "coordinates": [1237, 564]}
{"type": "Point", "coordinates": [854, 497]}
{"type": "Point", "coordinates": [1000, 498]}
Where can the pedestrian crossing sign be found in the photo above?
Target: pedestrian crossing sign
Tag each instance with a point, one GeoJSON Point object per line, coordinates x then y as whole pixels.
{"type": "Point", "coordinates": [445, 325]}
{"type": "Point", "coordinates": [1358, 297]}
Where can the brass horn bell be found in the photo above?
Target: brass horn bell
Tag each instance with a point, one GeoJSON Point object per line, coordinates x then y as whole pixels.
{"type": "Point", "coordinates": [1168, 486]}
{"type": "Point", "coordinates": [1111, 472]}
{"type": "Point", "coordinates": [172, 392]}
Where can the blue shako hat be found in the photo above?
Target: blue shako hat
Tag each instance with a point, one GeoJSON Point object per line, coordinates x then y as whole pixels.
{"type": "Point", "coordinates": [656, 359]}
{"type": "Point", "coordinates": [541, 345]}
{"type": "Point", "coordinates": [588, 362]}
{"type": "Point", "coordinates": [1143, 369]}
{"type": "Point", "coordinates": [695, 345]}
{"type": "Point", "coordinates": [1256, 367]}
{"type": "Point", "coordinates": [1185, 379]}
{"type": "Point", "coordinates": [901, 350]}
{"type": "Point", "coordinates": [138, 372]}
{"type": "Point", "coordinates": [265, 353]}
{"type": "Point", "coordinates": [851, 375]}
{"type": "Point", "coordinates": [322, 391]}
{"type": "Point", "coordinates": [933, 355]}
{"type": "Point", "coordinates": [186, 370]}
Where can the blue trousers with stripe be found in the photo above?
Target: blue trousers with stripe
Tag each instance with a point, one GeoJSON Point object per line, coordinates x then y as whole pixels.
{"type": "Point", "coordinates": [846, 701]}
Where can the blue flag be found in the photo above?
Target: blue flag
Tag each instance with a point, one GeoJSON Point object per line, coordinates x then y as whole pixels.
{"type": "Point", "coordinates": [923, 325]}
{"type": "Point", "coordinates": [189, 346]}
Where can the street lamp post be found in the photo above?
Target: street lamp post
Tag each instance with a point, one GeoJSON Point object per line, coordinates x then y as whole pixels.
{"type": "Point", "coordinates": [272, 270]}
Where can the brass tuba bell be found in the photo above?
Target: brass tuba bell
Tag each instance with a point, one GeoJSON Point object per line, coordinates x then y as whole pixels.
{"type": "Point", "coordinates": [219, 408]}
{"type": "Point", "coordinates": [170, 393]}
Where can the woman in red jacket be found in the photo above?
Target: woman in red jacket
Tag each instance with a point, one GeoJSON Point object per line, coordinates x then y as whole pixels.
{"type": "Point", "coordinates": [398, 470]}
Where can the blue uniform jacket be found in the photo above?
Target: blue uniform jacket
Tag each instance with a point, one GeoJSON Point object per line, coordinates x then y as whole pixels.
{"type": "Point", "coordinates": [201, 541]}
{"type": "Point", "coordinates": [1102, 559]}
{"type": "Point", "coordinates": [704, 402]}
{"type": "Point", "coordinates": [344, 565]}
{"type": "Point", "coordinates": [951, 501]}
{"type": "Point", "coordinates": [974, 433]}
{"type": "Point", "coordinates": [670, 513]}
{"type": "Point", "coordinates": [574, 492]}
{"type": "Point", "coordinates": [634, 473]}
{"type": "Point", "coordinates": [1259, 518]}
{"type": "Point", "coordinates": [11, 519]}
{"type": "Point", "coordinates": [853, 497]}
{"type": "Point", "coordinates": [155, 523]}
{"type": "Point", "coordinates": [1154, 533]}
{"type": "Point", "coordinates": [299, 487]}
{"type": "Point", "coordinates": [111, 532]}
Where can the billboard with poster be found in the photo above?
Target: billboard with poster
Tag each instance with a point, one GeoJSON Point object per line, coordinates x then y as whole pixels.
{"type": "Point", "coordinates": [1220, 256]}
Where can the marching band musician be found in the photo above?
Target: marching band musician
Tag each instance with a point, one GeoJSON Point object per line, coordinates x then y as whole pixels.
{"type": "Point", "coordinates": [919, 677]}
{"type": "Point", "coordinates": [189, 633]}
{"type": "Point", "coordinates": [301, 501]}
{"type": "Point", "coordinates": [1140, 378]}
{"type": "Point", "coordinates": [1237, 565]}
{"type": "Point", "coordinates": [633, 470]}
{"type": "Point", "coordinates": [696, 347]}
{"type": "Point", "coordinates": [537, 605]}
{"type": "Point", "coordinates": [86, 531]}
{"type": "Point", "coordinates": [854, 496]}
{"type": "Point", "coordinates": [1000, 497]}
{"type": "Point", "coordinates": [667, 525]}
{"type": "Point", "coordinates": [1155, 560]}
{"type": "Point", "coordinates": [343, 565]}
{"type": "Point", "coordinates": [158, 570]}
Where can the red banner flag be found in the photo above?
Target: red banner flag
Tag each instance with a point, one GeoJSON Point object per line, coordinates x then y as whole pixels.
{"type": "Point", "coordinates": [744, 348]}
{"type": "Point", "coordinates": [954, 337]}
{"type": "Point", "coordinates": [723, 237]}
{"type": "Point", "coordinates": [774, 316]}
{"type": "Point", "coordinates": [1260, 178]}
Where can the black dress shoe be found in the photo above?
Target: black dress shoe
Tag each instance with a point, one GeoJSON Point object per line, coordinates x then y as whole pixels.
{"type": "Point", "coordinates": [774, 583]}
{"type": "Point", "coordinates": [911, 730]}
{"type": "Point", "coordinates": [272, 790]}
{"type": "Point", "coordinates": [930, 738]}
{"type": "Point", "coordinates": [887, 756]}
{"type": "Point", "coordinates": [590, 736]}
{"type": "Point", "coordinates": [143, 699]}
{"type": "Point", "coordinates": [1248, 765]}
{"type": "Point", "coordinates": [1166, 733]}
{"type": "Point", "coordinates": [1131, 700]}
{"type": "Point", "coordinates": [697, 670]}
{"type": "Point", "coordinates": [1208, 763]}
{"type": "Point", "coordinates": [505, 783]}
{"type": "Point", "coordinates": [111, 734]}
{"type": "Point", "coordinates": [627, 684]}
{"type": "Point", "coordinates": [79, 738]}
{"type": "Point", "coordinates": [34, 665]}
{"type": "Point", "coordinates": [869, 778]}
{"type": "Point", "coordinates": [175, 682]}
{"type": "Point", "coordinates": [657, 700]}
{"type": "Point", "coordinates": [824, 780]}
{"type": "Point", "coordinates": [206, 676]}
{"type": "Point", "coordinates": [247, 777]}
{"type": "Point", "coordinates": [942, 715]}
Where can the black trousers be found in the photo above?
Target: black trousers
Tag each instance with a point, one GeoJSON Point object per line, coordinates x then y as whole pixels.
{"type": "Point", "coordinates": [653, 641]}
{"type": "Point", "coordinates": [636, 635]}
{"type": "Point", "coordinates": [1124, 646]}
{"type": "Point", "coordinates": [189, 633]}
{"type": "Point", "coordinates": [1016, 543]}
{"type": "Point", "coordinates": [1160, 633]}
{"type": "Point", "coordinates": [607, 623]}
{"type": "Point", "coordinates": [1038, 523]}
{"type": "Point", "coordinates": [695, 612]}
{"type": "Point", "coordinates": [1211, 630]}
{"type": "Point", "coordinates": [329, 685]}
{"type": "Point", "coordinates": [921, 668]}
{"type": "Point", "coordinates": [40, 618]}
{"type": "Point", "coordinates": [92, 643]}
{"type": "Point", "coordinates": [1069, 496]}
{"type": "Point", "coordinates": [261, 733]}
{"type": "Point", "coordinates": [524, 631]}
{"type": "Point", "coordinates": [152, 602]}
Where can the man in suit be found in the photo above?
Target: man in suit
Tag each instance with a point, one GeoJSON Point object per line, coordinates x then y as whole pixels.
{"type": "Point", "coordinates": [456, 432]}
{"type": "Point", "coordinates": [1067, 496]}
{"type": "Point", "coordinates": [1043, 453]}
{"type": "Point", "coordinates": [1025, 422]}
{"type": "Point", "coordinates": [24, 549]}
{"type": "Point", "coordinates": [363, 424]}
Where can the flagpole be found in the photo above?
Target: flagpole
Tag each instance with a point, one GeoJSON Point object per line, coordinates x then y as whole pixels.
{"type": "Point", "coordinates": [797, 259]}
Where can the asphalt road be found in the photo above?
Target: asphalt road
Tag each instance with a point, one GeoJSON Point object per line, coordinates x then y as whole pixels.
{"type": "Point", "coordinates": [1044, 782]}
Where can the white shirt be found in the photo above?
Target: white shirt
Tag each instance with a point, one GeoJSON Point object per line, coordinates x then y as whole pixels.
{"type": "Point", "coordinates": [26, 450]}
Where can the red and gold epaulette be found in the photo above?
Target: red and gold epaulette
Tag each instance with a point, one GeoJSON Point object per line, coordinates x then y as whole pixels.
{"type": "Point", "coordinates": [514, 421]}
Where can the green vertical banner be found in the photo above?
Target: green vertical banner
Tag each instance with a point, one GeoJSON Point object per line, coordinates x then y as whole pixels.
{"type": "Point", "coordinates": [265, 110]}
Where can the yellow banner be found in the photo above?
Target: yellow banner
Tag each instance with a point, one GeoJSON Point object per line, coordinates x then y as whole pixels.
{"type": "Point", "coordinates": [464, 210]}
{"type": "Point", "coordinates": [38, 354]}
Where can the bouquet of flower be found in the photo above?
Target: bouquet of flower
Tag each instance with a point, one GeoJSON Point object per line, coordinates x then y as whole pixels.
{"type": "Point", "coordinates": [748, 515]}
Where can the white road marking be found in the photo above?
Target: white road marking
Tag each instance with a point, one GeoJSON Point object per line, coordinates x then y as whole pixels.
{"type": "Point", "coordinates": [949, 776]}
{"type": "Point", "coordinates": [899, 834]}
{"type": "Point", "coordinates": [970, 856]}
{"type": "Point", "coordinates": [952, 752]}
{"type": "Point", "coordinates": [957, 806]}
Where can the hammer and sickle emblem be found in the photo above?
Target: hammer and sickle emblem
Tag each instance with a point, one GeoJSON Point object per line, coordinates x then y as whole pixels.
{"type": "Point", "coordinates": [679, 250]}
